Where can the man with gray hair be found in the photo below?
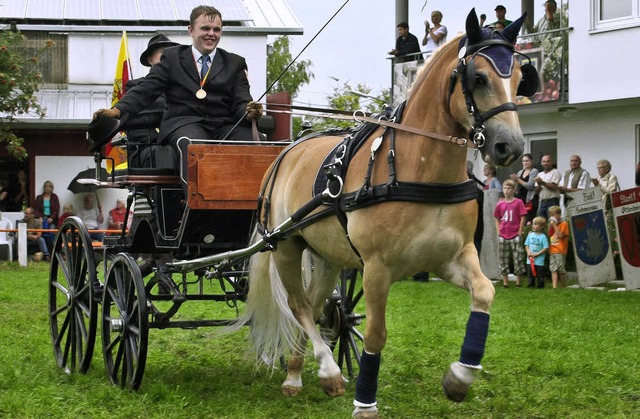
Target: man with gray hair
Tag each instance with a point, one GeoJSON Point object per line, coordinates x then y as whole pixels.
{"type": "Point", "coordinates": [576, 177]}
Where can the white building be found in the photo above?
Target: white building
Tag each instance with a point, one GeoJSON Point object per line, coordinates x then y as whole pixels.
{"type": "Point", "coordinates": [79, 69]}
{"type": "Point", "coordinates": [598, 114]}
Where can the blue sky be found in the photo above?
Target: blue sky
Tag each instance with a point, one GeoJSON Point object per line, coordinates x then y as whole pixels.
{"type": "Point", "coordinates": [354, 46]}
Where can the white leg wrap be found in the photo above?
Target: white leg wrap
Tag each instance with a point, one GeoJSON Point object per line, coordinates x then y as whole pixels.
{"type": "Point", "coordinates": [463, 372]}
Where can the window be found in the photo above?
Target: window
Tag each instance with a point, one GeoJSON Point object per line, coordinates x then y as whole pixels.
{"type": "Point", "coordinates": [53, 62]}
{"type": "Point", "coordinates": [615, 14]}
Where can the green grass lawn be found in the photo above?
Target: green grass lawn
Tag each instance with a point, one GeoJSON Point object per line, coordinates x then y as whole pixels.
{"type": "Point", "coordinates": [567, 353]}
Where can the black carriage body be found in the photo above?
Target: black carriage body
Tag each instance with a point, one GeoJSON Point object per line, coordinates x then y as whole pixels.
{"type": "Point", "coordinates": [162, 223]}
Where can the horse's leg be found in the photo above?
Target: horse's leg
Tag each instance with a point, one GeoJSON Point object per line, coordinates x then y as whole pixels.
{"type": "Point", "coordinates": [461, 374]}
{"type": "Point", "coordinates": [317, 277]}
{"type": "Point", "coordinates": [292, 385]}
{"type": "Point", "coordinates": [288, 263]}
{"type": "Point", "coordinates": [376, 283]}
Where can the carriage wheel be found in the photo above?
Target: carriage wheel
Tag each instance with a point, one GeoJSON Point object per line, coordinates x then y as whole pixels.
{"type": "Point", "coordinates": [72, 306]}
{"type": "Point", "coordinates": [125, 323]}
{"type": "Point", "coordinates": [338, 322]}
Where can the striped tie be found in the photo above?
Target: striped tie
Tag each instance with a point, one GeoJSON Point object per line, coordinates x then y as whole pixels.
{"type": "Point", "coordinates": [205, 65]}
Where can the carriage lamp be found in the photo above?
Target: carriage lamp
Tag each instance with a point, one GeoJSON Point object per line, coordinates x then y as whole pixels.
{"type": "Point", "coordinates": [209, 238]}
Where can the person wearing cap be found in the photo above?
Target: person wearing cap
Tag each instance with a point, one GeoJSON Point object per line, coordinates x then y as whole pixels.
{"type": "Point", "coordinates": [501, 12]}
{"type": "Point", "coordinates": [548, 22]}
{"type": "Point", "coordinates": [143, 141]}
{"type": "Point", "coordinates": [206, 90]}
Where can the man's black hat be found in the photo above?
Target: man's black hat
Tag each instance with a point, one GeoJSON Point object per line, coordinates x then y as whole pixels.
{"type": "Point", "coordinates": [101, 130]}
{"type": "Point", "coordinates": [158, 41]}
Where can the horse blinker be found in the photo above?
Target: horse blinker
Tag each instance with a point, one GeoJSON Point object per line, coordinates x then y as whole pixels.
{"type": "Point", "coordinates": [530, 82]}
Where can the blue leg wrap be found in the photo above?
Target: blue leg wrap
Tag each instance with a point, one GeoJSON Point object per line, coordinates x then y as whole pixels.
{"type": "Point", "coordinates": [475, 338]}
{"type": "Point", "coordinates": [367, 384]}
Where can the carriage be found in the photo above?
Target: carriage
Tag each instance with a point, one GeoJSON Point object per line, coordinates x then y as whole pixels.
{"type": "Point", "coordinates": [141, 288]}
{"type": "Point", "coordinates": [393, 198]}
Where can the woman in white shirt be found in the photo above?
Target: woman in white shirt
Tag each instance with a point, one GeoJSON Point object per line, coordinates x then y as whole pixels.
{"type": "Point", "coordinates": [434, 36]}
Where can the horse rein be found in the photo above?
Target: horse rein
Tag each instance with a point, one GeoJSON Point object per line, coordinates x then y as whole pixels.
{"type": "Point", "coordinates": [359, 116]}
{"type": "Point", "coordinates": [477, 129]}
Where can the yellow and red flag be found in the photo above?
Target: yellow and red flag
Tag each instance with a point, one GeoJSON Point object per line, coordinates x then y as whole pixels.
{"type": "Point", "coordinates": [123, 75]}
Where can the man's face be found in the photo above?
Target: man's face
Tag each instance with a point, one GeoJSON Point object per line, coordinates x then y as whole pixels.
{"type": "Point", "coordinates": [402, 31]}
{"type": "Point", "coordinates": [206, 33]}
{"type": "Point", "coordinates": [546, 163]}
{"type": "Point", "coordinates": [500, 13]}
{"type": "Point", "coordinates": [550, 7]}
{"type": "Point", "coordinates": [28, 214]}
{"type": "Point", "coordinates": [154, 57]}
{"type": "Point", "coordinates": [574, 162]}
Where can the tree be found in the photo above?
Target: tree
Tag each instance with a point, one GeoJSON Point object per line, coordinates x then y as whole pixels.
{"type": "Point", "coordinates": [292, 79]}
{"type": "Point", "coordinates": [19, 79]}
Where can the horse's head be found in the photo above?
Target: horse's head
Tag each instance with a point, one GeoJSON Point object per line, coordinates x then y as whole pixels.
{"type": "Point", "coordinates": [490, 78]}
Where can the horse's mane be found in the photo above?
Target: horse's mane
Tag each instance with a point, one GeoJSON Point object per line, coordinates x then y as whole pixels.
{"type": "Point", "coordinates": [434, 60]}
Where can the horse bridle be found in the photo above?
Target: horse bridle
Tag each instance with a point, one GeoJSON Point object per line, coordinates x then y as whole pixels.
{"type": "Point", "coordinates": [476, 133]}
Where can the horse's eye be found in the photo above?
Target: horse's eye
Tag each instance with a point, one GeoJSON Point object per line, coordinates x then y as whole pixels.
{"type": "Point", "coordinates": [481, 80]}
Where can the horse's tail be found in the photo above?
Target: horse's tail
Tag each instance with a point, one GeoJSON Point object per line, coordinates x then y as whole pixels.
{"type": "Point", "coordinates": [274, 329]}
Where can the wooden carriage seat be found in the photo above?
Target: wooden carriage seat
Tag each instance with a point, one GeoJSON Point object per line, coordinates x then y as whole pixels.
{"type": "Point", "coordinates": [227, 176]}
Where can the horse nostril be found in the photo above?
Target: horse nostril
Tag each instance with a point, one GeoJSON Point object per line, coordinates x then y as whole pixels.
{"type": "Point", "coordinates": [502, 150]}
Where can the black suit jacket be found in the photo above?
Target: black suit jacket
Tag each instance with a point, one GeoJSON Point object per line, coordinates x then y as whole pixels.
{"type": "Point", "coordinates": [176, 75]}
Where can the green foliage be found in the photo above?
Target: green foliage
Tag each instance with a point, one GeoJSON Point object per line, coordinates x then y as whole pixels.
{"type": "Point", "coordinates": [565, 353]}
{"type": "Point", "coordinates": [19, 79]}
{"type": "Point", "coordinates": [278, 60]}
{"type": "Point", "coordinates": [348, 98]}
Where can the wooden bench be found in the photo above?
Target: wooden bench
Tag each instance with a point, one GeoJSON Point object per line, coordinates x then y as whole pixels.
{"type": "Point", "coordinates": [227, 176]}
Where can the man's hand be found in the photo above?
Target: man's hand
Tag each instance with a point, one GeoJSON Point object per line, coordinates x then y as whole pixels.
{"type": "Point", "coordinates": [111, 113]}
{"type": "Point", "coordinates": [254, 111]}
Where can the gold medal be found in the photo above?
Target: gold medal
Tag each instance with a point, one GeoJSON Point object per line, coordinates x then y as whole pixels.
{"type": "Point", "coordinates": [201, 94]}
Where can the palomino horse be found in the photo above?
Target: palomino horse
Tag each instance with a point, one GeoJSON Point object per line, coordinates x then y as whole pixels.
{"type": "Point", "coordinates": [466, 89]}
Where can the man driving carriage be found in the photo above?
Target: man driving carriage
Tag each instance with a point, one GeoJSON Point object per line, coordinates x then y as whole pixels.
{"type": "Point", "coordinates": [206, 90]}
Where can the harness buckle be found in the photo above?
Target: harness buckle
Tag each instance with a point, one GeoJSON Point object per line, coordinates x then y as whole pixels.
{"type": "Point", "coordinates": [478, 136]}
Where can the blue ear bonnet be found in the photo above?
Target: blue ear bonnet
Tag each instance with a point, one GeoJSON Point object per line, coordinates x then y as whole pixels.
{"type": "Point", "coordinates": [500, 56]}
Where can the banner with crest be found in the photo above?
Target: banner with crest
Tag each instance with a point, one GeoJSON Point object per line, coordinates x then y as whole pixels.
{"type": "Point", "coordinates": [626, 213]}
{"type": "Point", "coordinates": [591, 241]}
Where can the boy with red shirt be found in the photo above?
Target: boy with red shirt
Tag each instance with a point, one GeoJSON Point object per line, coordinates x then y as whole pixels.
{"type": "Point", "coordinates": [511, 216]}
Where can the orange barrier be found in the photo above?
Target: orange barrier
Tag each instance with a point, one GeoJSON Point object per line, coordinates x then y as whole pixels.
{"type": "Point", "coordinates": [44, 230]}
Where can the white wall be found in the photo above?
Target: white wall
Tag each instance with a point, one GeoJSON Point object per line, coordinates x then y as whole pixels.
{"type": "Point", "coordinates": [61, 170]}
{"type": "Point", "coordinates": [93, 57]}
{"type": "Point", "coordinates": [602, 65]}
{"type": "Point", "coordinates": [593, 134]}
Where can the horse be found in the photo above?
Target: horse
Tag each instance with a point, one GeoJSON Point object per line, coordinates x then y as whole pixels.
{"type": "Point", "coordinates": [388, 224]}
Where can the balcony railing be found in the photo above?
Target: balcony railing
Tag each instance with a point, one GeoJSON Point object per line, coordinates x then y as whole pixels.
{"type": "Point", "coordinates": [548, 52]}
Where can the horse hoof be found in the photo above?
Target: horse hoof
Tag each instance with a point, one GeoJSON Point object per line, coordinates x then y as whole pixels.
{"type": "Point", "coordinates": [333, 386]}
{"type": "Point", "coordinates": [365, 413]}
{"type": "Point", "coordinates": [454, 388]}
{"type": "Point", "coordinates": [291, 391]}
